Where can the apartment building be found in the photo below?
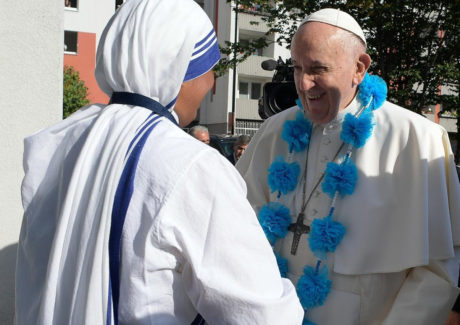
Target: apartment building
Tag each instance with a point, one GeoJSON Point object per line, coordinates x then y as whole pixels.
{"type": "Point", "coordinates": [84, 21]}
{"type": "Point", "coordinates": [232, 106]}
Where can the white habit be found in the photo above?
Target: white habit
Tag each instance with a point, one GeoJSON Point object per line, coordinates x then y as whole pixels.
{"type": "Point", "coordinates": [396, 263]}
{"type": "Point", "coordinates": [190, 242]}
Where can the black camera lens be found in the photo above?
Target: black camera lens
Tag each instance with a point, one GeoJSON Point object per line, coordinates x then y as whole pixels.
{"type": "Point", "coordinates": [284, 96]}
{"type": "Point", "coordinates": [278, 96]}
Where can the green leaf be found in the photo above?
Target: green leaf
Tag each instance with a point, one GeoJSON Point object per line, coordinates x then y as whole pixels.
{"type": "Point", "coordinates": [75, 91]}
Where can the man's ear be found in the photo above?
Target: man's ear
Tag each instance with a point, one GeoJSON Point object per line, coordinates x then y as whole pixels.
{"type": "Point", "coordinates": [362, 64]}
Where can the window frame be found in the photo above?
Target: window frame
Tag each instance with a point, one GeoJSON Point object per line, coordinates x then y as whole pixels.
{"type": "Point", "coordinates": [250, 89]}
{"type": "Point", "coordinates": [71, 8]}
{"type": "Point", "coordinates": [76, 42]}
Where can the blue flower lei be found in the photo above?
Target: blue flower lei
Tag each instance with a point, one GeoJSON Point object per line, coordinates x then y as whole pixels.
{"type": "Point", "coordinates": [339, 180]}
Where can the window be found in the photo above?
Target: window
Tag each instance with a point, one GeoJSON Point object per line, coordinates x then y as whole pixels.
{"type": "Point", "coordinates": [70, 41]}
{"type": "Point", "coordinates": [249, 90]}
{"type": "Point", "coordinates": [255, 90]}
{"type": "Point", "coordinates": [244, 89]}
{"type": "Point", "coordinates": [259, 52]}
{"type": "Point", "coordinates": [244, 42]}
{"type": "Point", "coordinates": [71, 4]}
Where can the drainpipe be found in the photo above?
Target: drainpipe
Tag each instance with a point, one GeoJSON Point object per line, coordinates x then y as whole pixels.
{"type": "Point", "coordinates": [233, 120]}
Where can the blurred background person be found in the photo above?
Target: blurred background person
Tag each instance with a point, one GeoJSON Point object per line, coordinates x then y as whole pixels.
{"type": "Point", "coordinates": [238, 148]}
{"type": "Point", "coordinates": [200, 132]}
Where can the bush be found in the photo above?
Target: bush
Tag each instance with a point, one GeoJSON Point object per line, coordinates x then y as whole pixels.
{"type": "Point", "coordinates": [75, 91]}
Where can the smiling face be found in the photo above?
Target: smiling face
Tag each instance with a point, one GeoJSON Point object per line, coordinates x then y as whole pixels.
{"type": "Point", "coordinates": [327, 69]}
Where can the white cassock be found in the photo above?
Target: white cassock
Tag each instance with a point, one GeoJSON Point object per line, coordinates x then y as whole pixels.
{"type": "Point", "coordinates": [396, 263]}
{"type": "Point", "coordinates": [189, 242]}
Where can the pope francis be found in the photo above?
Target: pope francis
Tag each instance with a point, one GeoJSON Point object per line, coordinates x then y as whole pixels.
{"type": "Point", "coordinates": [358, 197]}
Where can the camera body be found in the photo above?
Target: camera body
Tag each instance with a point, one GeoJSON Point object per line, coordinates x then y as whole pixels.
{"type": "Point", "coordinates": [280, 93]}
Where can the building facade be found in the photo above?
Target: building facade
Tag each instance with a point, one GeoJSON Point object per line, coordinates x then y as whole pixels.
{"type": "Point", "coordinates": [232, 105]}
{"type": "Point", "coordinates": [84, 21]}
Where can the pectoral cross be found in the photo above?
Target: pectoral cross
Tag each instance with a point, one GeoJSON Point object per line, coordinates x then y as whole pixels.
{"type": "Point", "coordinates": [298, 228]}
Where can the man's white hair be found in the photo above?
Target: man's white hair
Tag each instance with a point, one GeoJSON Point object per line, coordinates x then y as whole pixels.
{"type": "Point", "coordinates": [198, 128]}
{"type": "Point", "coordinates": [350, 41]}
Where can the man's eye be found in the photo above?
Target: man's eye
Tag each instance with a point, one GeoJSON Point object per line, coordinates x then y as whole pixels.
{"type": "Point", "coordinates": [320, 69]}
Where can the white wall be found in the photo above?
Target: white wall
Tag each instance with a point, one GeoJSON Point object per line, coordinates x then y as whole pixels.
{"type": "Point", "coordinates": [215, 108]}
{"type": "Point", "coordinates": [31, 41]}
{"type": "Point", "coordinates": [91, 16]}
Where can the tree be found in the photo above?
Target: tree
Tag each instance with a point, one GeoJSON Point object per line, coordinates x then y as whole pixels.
{"type": "Point", "coordinates": [75, 91]}
{"type": "Point", "coordinates": [414, 44]}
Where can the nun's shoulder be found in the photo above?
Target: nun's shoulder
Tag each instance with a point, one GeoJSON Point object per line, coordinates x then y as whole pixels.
{"type": "Point", "coordinates": [172, 151]}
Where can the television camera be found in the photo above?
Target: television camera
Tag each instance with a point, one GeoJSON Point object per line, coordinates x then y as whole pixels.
{"type": "Point", "coordinates": [280, 93]}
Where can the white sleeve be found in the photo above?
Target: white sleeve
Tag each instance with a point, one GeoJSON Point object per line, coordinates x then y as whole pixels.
{"type": "Point", "coordinates": [429, 292]}
{"type": "Point", "coordinates": [230, 272]}
{"type": "Point", "coordinates": [427, 295]}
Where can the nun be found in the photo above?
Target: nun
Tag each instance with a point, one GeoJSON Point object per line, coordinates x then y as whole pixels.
{"type": "Point", "coordinates": [127, 218]}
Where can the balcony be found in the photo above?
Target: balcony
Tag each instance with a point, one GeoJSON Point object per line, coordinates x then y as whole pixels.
{"type": "Point", "coordinates": [251, 67]}
{"type": "Point", "coordinates": [247, 109]}
{"type": "Point", "coordinates": [244, 22]}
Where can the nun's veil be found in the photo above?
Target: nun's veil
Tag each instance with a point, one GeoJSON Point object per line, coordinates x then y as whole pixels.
{"type": "Point", "coordinates": [150, 47]}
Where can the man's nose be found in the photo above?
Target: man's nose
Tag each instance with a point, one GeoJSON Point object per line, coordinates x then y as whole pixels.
{"type": "Point", "coordinates": [306, 82]}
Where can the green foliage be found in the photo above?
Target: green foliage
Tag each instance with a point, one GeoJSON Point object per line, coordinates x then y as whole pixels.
{"type": "Point", "coordinates": [414, 44]}
{"type": "Point", "coordinates": [75, 91]}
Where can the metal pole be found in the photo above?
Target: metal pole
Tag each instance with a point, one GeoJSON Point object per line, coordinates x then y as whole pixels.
{"type": "Point", "coordinates": [234, 69]}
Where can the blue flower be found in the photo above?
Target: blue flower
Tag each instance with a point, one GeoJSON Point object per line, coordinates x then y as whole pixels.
{"type": "Point", "coordinates": [297, 133]}
{"type": "Point", "coordinates": [299, 103]}
{"type": "Point", "coordinates": [313, 287]}
{"type": "Point", "coordinates": [282, 176]}
{"type": "Point", "coordinates": [325, 235]}
{"type": "Point", "coordinates": [356, 130]}
{"type": "Point", "coordinates": [372, 86]}
{"type": "Point", "coordinates": [274, 219]}
{"type": "Point", "coordinates": [341, 178]}
{"type": "Point", "coordinates": [282, 265]}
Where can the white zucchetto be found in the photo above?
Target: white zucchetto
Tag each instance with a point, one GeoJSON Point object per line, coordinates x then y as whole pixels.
{"type": "Point", "coordinates": [337, 18]}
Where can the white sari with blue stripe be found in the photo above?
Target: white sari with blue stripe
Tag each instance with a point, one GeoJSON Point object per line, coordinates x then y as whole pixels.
{"type": "Point", "coordinates": [68, 194]}
{"type": "Point", "coordinates": [185, 231]}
